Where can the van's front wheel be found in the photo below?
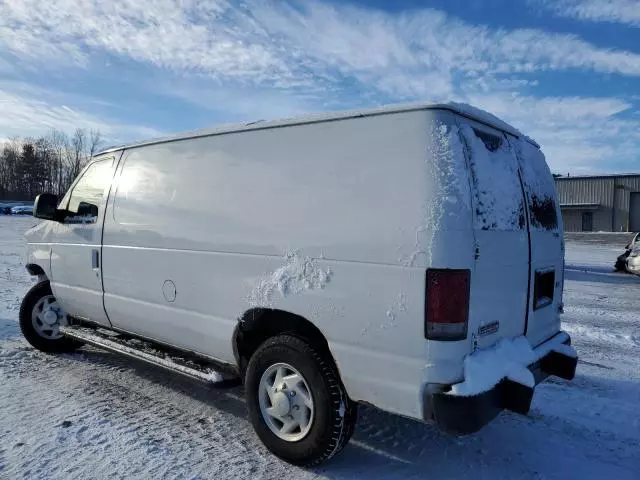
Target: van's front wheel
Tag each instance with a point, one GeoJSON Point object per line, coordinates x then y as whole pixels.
{"type": "Point", "coordinates": [40, 319]}
{"type": "Point", "coordinates": [296, 402]}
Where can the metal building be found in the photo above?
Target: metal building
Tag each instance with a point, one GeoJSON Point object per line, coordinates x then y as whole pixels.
{"type": "Point", "coordinates": [607, 203]}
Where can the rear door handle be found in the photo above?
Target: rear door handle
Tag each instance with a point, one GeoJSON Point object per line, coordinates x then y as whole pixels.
{"type": "Point", "coordinates": [95, 258]}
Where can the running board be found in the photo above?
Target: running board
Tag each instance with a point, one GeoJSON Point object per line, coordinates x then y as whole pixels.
{"type": "Point", "coordinates": [153, 354]}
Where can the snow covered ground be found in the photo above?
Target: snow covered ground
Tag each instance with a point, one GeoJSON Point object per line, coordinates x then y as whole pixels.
{"type": "Point", "coordinates": [96, 415]}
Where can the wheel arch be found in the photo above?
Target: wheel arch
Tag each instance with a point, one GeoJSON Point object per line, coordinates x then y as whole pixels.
{"type": "Point", "coordinates": [37, 271]}
{"type": "Point", "coordinates": [34, 269]}
{"type": "Point", "coordinates": [256, 325]}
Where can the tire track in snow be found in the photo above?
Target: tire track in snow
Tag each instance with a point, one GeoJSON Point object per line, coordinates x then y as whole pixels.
{"type": "Point", "coordinates": [106, 410]}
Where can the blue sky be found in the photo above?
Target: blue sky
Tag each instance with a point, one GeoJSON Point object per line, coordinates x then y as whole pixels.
{"type": "Point", "coordinates": [566, 72]}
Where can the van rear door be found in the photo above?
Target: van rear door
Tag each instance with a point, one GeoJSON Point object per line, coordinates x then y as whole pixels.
{"type": "Point", "coordinates": [547, 242]}
{"type": "Point", "coordinates": [500, 279]}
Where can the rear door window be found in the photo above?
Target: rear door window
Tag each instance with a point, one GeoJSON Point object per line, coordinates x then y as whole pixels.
{"type": "Point", "coordinates": [496, 186]}
{"type": "Point", "coordinates": [539, 186]}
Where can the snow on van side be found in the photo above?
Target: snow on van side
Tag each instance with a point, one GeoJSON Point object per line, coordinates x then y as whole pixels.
{"type": "Point", "coordinates": [448, 166]}
{"type": "Point", "coordinates": [297, 275]}
{"type": "Point", "coordinates": [450, 198]}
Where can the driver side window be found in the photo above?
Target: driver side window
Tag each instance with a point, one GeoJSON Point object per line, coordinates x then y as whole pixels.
{"type": "Point", "coordinates": [87, 194]}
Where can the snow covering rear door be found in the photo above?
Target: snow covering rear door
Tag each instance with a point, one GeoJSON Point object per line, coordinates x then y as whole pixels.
{"type": "Point", "coordinates": [499, 282]}
{"type": "Point", "coordinates": [547, 242]}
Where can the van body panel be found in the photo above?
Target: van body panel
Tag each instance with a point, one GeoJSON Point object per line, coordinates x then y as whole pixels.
{"type": "Point", "coordinates": [39, 246]}
{"type": "Point", "coordinates": [208, 194]}
{"type": "Point", "coordinates": [336, 220]}
{"type": "Point", "coordinates": [218, 216]}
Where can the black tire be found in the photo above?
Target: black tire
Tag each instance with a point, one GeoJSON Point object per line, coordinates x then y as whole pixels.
{"type": "Point", "coordinates": [621, 264]}
{"type": "Point", "coordinates": [335, 414]}
{"type": "Point", "coordinates": [58, 345]}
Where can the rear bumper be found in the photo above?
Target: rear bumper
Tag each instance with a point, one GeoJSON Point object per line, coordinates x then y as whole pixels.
{"type": "Point", "coordinates": [468, 414]}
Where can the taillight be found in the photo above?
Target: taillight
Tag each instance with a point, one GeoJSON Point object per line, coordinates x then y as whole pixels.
{"type": "Point", "coordinates": [447, 304]}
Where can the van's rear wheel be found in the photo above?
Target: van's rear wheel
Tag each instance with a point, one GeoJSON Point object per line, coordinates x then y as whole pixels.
{"type": "Point", "coordinates": [40, 320]}
{"type": "Point", "coordinates": [296, 402]}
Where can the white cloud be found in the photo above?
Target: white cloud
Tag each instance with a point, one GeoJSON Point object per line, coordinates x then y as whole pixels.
{"type": "Point", "coordinates": [180, 35]}
{"type": "Point", "coordinates": [614, 11]}
{"type": "Point", "coordinates": [418, 52]}
{"type": "Point", "coordinates": [28, 111]}
{"type": "Point", "coordinates": [242, 104]}
{"type": "Point", "coordinates": [266, 58]}
{"type": "Point", "coordinates": [273, 42]}
{"type": "Point", "coordinates": [431, 85]}
{"type": "Point", "coordinates": [577, 134]}
{"type": "Point", "coordinates": [554, 109]}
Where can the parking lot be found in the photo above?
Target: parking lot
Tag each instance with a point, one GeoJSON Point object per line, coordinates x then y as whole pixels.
{"type": "Point", "coordinates": [95, 415]}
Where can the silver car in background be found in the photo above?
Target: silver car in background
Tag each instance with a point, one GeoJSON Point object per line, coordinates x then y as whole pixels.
{"type": "Point", "coordinates": [633, 260]}
{"type": "Point", "coordinates": [630, 260]}
{"type": "Point", "coordinates": [22, 210]}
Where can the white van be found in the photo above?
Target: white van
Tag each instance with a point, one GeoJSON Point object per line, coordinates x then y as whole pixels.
{"type": "Point", "coordinates": [406, 257]}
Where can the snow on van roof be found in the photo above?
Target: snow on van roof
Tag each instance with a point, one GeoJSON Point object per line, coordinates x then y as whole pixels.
{"type": "Point", "coordinates": [459, 108]}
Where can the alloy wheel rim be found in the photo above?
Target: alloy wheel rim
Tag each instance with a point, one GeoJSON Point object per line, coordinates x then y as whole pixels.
{"type": "Point", "coordinates": [46, 316]}
{"type": "Point", "coordinates": [286, 403]}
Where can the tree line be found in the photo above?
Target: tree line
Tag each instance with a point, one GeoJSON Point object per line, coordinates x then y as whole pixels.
{"type": "Point", "coordinates": [29, 166]}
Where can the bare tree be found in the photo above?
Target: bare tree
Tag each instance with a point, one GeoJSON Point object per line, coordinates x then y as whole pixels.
{"type": "Point", "coordinates": [60, 146]}
{"type": "Point", "coordinates": [10, 161]}
{"type": "Point", "coordinates": [95, 140]}
{"type": "Point", "coordinates": [30, 166]}
{"type": "Point", "coordinates": [78, 145]}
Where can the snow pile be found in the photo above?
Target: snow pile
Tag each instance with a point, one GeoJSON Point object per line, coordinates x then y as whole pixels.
{"type": "Point", "coordinates": [297, 275]}
{"type": "Point", "coordinates": [497, 190]}
{"type": "Point", "coordinates": [484, 369]}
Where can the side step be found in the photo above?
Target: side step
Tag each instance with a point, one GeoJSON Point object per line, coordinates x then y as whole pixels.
{"type": "Point", "coordinates": [165, 357]}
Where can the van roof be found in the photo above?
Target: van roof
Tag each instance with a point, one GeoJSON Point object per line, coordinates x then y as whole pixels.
{"type": "Point", "coordinates": [459, 108]}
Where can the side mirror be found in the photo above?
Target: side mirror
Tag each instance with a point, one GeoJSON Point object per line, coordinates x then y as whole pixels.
{"type": "Point", "coordinates": [45, 206]}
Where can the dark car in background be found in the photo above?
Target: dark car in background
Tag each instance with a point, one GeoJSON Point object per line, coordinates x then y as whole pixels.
{"type": "Point", "coordinates": [16, 208]}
